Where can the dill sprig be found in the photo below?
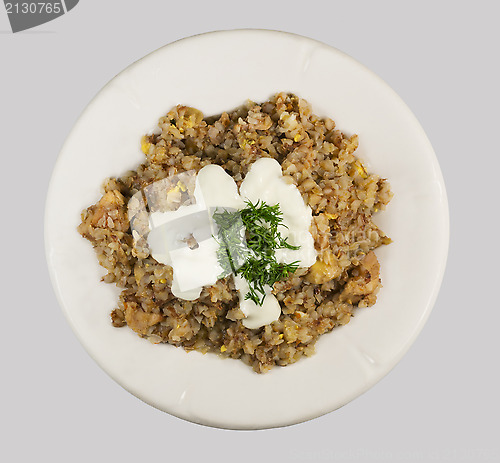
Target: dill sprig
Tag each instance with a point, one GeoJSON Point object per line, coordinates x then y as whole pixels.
{"type": "Point", "coordinates": [231, 252]}
{"type": "Point", "coordinates": [263, 238]}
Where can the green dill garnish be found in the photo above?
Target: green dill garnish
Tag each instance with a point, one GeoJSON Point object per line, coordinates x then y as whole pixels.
{"type": "Point", "coordinates": [231, 252]}
{"type": "Point", "coordinates": [258, 262]}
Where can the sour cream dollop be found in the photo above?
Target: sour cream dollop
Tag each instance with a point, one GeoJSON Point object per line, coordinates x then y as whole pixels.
{"type": "Point", "coordinates": [194, 268]}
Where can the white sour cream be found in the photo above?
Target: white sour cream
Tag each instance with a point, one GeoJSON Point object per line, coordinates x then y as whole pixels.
{"type": "Point", "coordinates": [195, 268]}
{"type": "Point", "coordinates": [265, 182]}
{"type": "Point", "coordinates": [219, 188]}
{"type": "Point", "coordinates": [257, 315]}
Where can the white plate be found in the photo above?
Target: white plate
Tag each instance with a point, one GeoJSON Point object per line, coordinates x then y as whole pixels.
{"type": "Point", "coordinates": [216, 72]}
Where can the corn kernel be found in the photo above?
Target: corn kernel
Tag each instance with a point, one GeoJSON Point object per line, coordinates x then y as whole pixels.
{"type": "Point", "coordinates": [361, 169]}
{"type": "Point", "coordinates": [297, 137]}
{"type": "Point", "coordinates": [188, 121]}
{"type": "Point", "coordinates": [223, 348]}
{"type": "Point", "coordinates": [174, 190]}
{"type": "Point", "coordinates": [145, 147]}
{"type": "Point", "coordinates": [162, 281]}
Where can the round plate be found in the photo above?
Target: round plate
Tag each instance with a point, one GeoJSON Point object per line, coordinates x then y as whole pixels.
{"type": "Point", "coordinates": [216, 72]}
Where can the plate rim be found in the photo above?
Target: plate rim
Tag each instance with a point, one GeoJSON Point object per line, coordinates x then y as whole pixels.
{"type": "Point", "coordinates": [445, 229]}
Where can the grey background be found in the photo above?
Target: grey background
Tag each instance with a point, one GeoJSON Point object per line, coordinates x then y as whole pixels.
{"type": "Point", "coordinates": [440, 403]}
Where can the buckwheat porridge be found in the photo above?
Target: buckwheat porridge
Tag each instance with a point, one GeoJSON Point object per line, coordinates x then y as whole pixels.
{"type": "Point", "coordinates": [248, 234]}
